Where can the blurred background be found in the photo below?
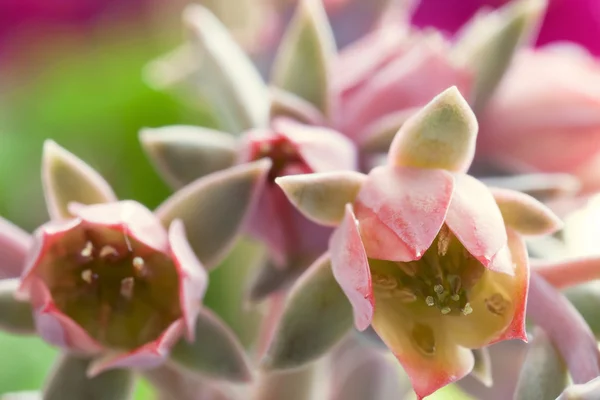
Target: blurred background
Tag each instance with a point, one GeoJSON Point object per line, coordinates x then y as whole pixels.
{"type": "Point", "coordinates": [72, 70]}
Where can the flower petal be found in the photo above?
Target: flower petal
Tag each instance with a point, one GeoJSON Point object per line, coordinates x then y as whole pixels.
{"type": "Point", "coordinates": [182, 154]}
{"type": "Point", "coordinates": [214, 208]}
{"type": "Point", "coordinates": [67, 179]}
{"type": "Point", "coordinates": [488, 42]}
{"type": "Point", "coordinates": [216, 352]}
{"type": "Point", "coordinates": [69, 382]}
{"type": "Point", "coordinates": [543, 374]}
{"type": "Point", "coordinates": [351, 268]}
{"type": "Point", "coordinates": [232, 83]}
{"type": "Point", "coordinates": [193, 278]}
{"type": "Point", "coordinates": [401, 210]}
{"type": "Point", "coordinates": [316, 317]}
{"type": "Point", "coordinates": [128, 216]}
{"type": "Point", "coordinates": [321, 197]}
{"type": "Point", "coordinates": [286, 104]}
{"type": "Point", "coordinates": [322, 149]}
{"type": "Point", "coordinates": [482, 370]}
{"type": "Point", "coordinates": [303, 59]}
{"type": "Point", "coordinates": [427, 353]}
{"type": "Point", "coordinates": [475, 219]}
{"type": "Point", "coordinates": [150, 355]}
{"type": "Point", "coordinates": [16, 316]}
{"type": "Point", "coordinates": [585, 391]}
{"type": "Point", "coordinates": [14, 244]}
{"type": "Point", "coordinates": [525, 214]}
{"type": "Point", "coordinates": [441, 135]}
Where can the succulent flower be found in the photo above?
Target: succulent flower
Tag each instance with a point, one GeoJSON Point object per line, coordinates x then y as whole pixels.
{"type": "Point", "coordinates": [430, 257]}
{"type": "Point", "coordinates": [184, 153]}
{"type": "Point", "coordinates": [115, 285]}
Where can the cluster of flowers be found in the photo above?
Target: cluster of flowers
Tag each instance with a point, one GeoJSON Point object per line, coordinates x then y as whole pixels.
{"type": "Point", "coordinates": [356, 171]}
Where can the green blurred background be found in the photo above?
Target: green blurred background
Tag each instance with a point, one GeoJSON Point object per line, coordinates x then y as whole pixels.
{"type": "Point", "coordinates": [71, 70]}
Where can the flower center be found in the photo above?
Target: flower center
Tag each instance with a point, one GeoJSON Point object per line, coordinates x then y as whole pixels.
{"type": "Point", "coordinates": [282, 153]}
{"type": "Point", "coordinates": [123, 293]}
{"type": "Point", "coordinates": [442, 278]}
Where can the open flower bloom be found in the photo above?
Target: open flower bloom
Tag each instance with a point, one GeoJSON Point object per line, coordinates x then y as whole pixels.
{"type": "Point", "coordinates": [183, 153]}
{"type": "Point", "coordinates": [545, 115]}
{"type": "Point", "coordinates": [112, 281]}
{"type": "Point", "coordinates": [427, 255]}
{"type": "Point", "coordinates": [113, 278]}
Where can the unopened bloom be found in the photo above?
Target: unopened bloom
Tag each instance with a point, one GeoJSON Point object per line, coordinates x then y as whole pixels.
{"type": "Point", "coordinates": [183, 153]}
{"type": "Point", "coordinates": [427, 255]}
{"type": "Point", "coordinates": [112, 281]}
{"type": "Point", "coordinates": [545, 115]}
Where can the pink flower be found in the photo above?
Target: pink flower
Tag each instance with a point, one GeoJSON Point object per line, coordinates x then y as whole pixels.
{"type": "Point", "coordinates": [427, 255]}
{"type": "Point", "coordinates": [113, 281]}
{"type": "Point", "coordinates": [545, 115]}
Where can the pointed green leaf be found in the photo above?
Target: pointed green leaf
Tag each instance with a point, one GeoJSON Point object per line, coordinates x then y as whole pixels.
{"type": "Point", "coordinates": [488, 42]}
{"type": "Point", "coordinates": [482, 370]}
{"type": "Point", "coordinates": [541, 186]}
{"type": "Point", "coordinates": [586, 298]}
{"type": "Point", "coordinates": [25, 395]}
{"type": "Point", "coordinates": [544, 373]}
{"type": "Point", "coordinates": [525, 214]}
{"type": "Point", "coordinates": [585, 391]}
{"type": "Point", "coordinates": [303, 59]}
{"type": "Point", "coordinates": [16, 316]}
{"type": "Point", "coordinates": [215, 207]}
{"type": "Point", "coordinates": [442, 135]}
{"type": "Point", "coordinates": [322, 197]}
{"type": "Point", "coordinates": [317, 315]}
{"type": "Point", "coordinates": [380, 134]}
{"type": "Point", "coordinates": [67, 179]}
{"type": "Point", "coordinates": [271, 278]}
{"type": "Point", "coordinates": [286, 104]}
{"type": "Point", "coordinates": [230, 80]}
{"type": "Point", "coordinates": [182, 154]}
{"type": "Point", "coordinates": [298, 384]}
{"type": "Point", "coordinates": [216, 352]}
{"type": "Point", "coordinates": [69, 381]}
{"type": "Point", "coordinates": [14, 245]}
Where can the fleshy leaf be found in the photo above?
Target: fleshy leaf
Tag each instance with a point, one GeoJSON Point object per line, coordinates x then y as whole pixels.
{"type": "Point", "coordinates": [14, 244]}
{"type": "Point", "coordinates": [215, 352]}
{"type": "Point", "coordinates": [214, 208]}
{"type": "Point", "coordinates": [543, 374]}
{"type": "Point", "coordinates": [380, 134]}
{"type": "Point", "coordinates": [70, 382]}
{"type": "Point", "coordinates": [296, 384]}
{"type": "Point", "coordinates": [322, 197]}
{"type": "Point", "coordinates": [182, 154]}
{"type": "Point", "coordinates": [567, 329]}
{"type": "Point", "coordinates": [488, 42]}
{"type": "Point", "coordinates": [16, 316]}
{"type": "Point", "coordinates": [271, 278]}
{"type": "Point", "coordinates": [316, 317]}
{"type": "Point", "coordinates": [586, 298]}
{"type": "Point", "coordinates": [482, 370]}
{"type": "Point", "coordinates": [303, 59]}
{"type": "Point", "coordinates": [232, 83]}
{"type": "Point", "coordinates": [442, 135]}
{"type": "Point", "coordinates": [541, 186]}
{"type": "Point", "coordinates": [525, 214]}
{"type": "Point", "coordinates": [67, 179]}
{"type": "Point", "coordinates": [286, 104]}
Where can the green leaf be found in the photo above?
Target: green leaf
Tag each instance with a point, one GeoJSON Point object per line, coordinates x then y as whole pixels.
{"type": "Point", "coordinates": [317, 315]}
{"type": "Point", "coordinates": [16, 316]}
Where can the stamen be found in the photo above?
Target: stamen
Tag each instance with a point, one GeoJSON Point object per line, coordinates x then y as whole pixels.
{"type": "Point", "coordinates": [445, 310]}
{"type": "Point", "coordinates": [264, 148]}
{"type": "Point", "coordinates": [443, 240]}
{"type": "Point", "coordinates": [108, 251]}
{"type": "Point", "coordinates": [405, 295]}
{"type": "Point", "coordinates": [455, 297]}
{"type": "Point", "coordinates": [87, 250]}
{"type": "Point", "coordinates": [288, 149]}
{"type": "Point", "coordinates": [439, 289]}
{"type": "Point", "coordinates": [127, 285]}
{"type": "Point", "coordinates": [429, 301]}
{"type": "Point", "coordinates": [467, 309]}
{"type": "Point", "coordinates": [385, 281]}
{"type": "Point", "coordinates": [409, 268]}
{"type": "Point", "coordinates": [86, 275]}
{"type": "Point", "coordinates": [139, 266]}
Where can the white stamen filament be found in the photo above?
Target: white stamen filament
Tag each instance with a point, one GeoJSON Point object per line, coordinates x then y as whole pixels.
{"type": "Point", "coordinates": [87, 250]}
{"type": "Point", "coordinates": [429, 301]}
{"type": "Point", "coordinates": [127, 285]}
{"type": "Point", "coordinates": [467, 309]}
{"type": "Point", "coordinates": [86, 275]}
{"type": "Point", "coordinates": [108, 251]}
{"type": "Point", "coordinates": [445, 310]}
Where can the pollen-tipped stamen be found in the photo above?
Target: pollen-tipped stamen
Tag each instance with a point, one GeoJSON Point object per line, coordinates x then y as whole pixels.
{"type": "Point", "coordinates": [88, 249]}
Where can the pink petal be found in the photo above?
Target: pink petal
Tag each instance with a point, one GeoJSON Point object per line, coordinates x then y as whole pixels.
{"type": "Point", "coordinates": [150, 355]}
{"type": "Point", "coordinates": [129, 216]}
{"type": "Point", "coordinates": [351, 269]}
{"type": "Point", "coordinates": [321, 148]}
{"type": "Point", "coordinates": [55, 327]}
{"type": "Point", "coordinates": [193, 278]}
{"type": "Point", "coordinates": [14, 244]}
{"type": "Point", "coordinates": [475, 219]}
{"type": "Point", "coordinates": [401, 210]}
